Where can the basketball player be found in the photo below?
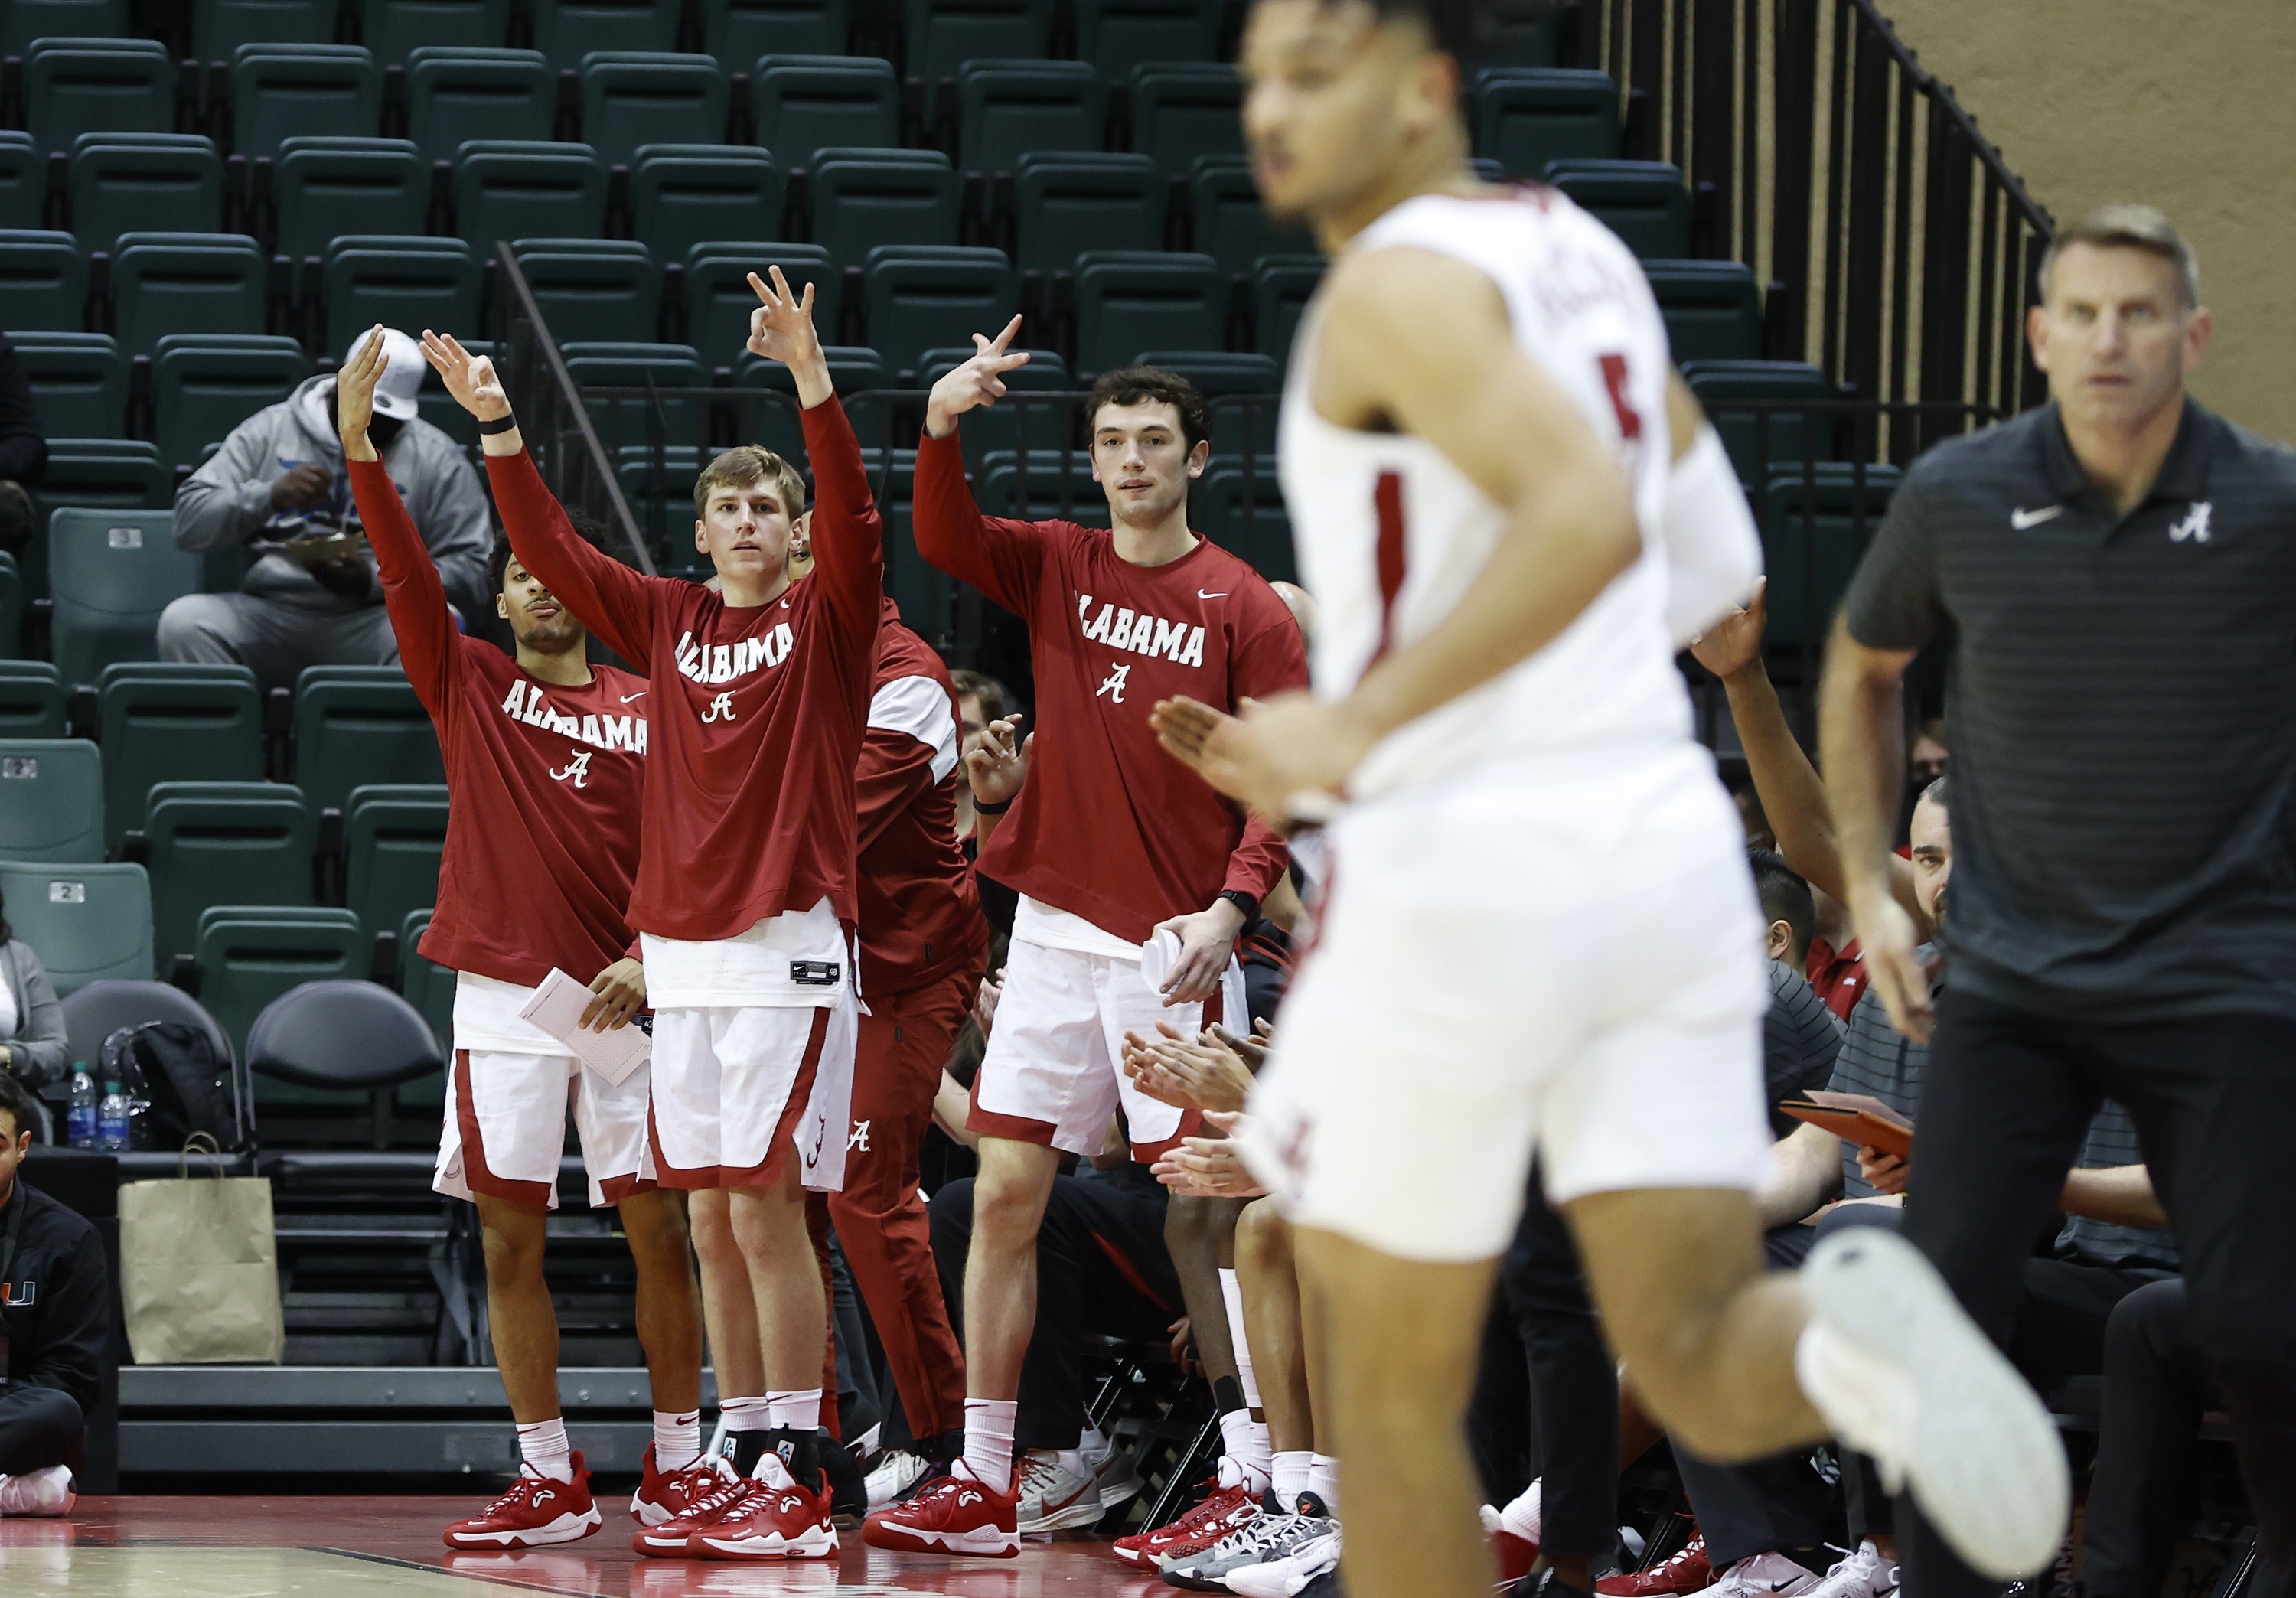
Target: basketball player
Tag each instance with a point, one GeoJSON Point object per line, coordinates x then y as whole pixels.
{"type": "Point", "coordinates": [745, 881]}
{"type": "Point", "coordinates": [1539, 934]}
{"type": "Point", "coordinates": [545, 756]}
{"type": "Point", "coordinates": [1109, 845]}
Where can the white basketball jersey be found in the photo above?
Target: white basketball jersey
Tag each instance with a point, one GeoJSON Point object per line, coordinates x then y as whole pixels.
{"type": "Point", "coordinates": [1391, 535]}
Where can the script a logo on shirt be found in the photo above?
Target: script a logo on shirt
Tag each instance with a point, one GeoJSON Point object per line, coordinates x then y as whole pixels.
{"type": "Point", "coordinates": [529, 704]}
{"type": "Point", "coordinates": [722, 662]}
{"type": "Point", "coordinates": [1179, 642]}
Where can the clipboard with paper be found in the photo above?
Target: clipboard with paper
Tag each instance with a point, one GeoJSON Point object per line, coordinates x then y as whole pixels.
{"type": "Point", "coordinates": [1858, 1118]}
{"type": "Point", "coordinates": [556, 1008]}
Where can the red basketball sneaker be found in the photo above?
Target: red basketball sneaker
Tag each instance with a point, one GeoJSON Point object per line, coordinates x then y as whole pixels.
{"type": "Point", "coordinates": [1514, 1555]}
{"type": "Point", "coordinates": [539, 1511]}
{"type": "Point", "coordinates": [1686, 1572]}
{"type": "Point", "coordinates": [955, 1515]}
{"type": "Point", "coordinates": [1226, 1509]}
{"type": "Point", "coordinates": [779, 1520]}
{"type": "Point", "coordinates": [707, 1504]}
{"type": "Point", "coordinates": [665, 1495]}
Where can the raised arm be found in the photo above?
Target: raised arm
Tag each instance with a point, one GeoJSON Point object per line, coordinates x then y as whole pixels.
{"type": "Point", "coordinates": [412, 592]}
{"type": "Point", "coordinates": [1713, 554]}
{"type": "Point", "coordinates": [995, 557]}
{"type": "Point", "coordinates": [605, 596]}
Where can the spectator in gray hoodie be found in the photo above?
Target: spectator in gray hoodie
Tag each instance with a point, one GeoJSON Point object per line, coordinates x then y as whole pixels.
{"type": "Point", "coordinates": [277, 484]}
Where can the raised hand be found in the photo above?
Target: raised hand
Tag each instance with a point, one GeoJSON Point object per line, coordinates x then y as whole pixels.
{"type": "Point", "coordinates": [999, 764]}
{"type": "Point", "coordinates": [470, 378]}
{"type": "Point", "coordinates": [1734, 643]}
{"type": "Point", "coordinates": [1286, 757]}
{"type": "Point", "coordinates": [979, 382]}
{"type": "Point", "coordinates": [354, 396]}
{"type": "Point", "coordinates": [781, 328]}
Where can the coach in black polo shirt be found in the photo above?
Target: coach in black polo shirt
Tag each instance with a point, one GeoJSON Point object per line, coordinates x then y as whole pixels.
{"type": "Point", "coordinates": [2117, 572]}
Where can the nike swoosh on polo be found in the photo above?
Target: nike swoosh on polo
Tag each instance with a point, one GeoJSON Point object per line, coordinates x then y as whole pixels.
{"type": "Point", "coordinates": [2020, 518]}
{"type": "Point", "coordinates": [641, 693]}
{"type": "Point", "coordinates": [1201, 595]}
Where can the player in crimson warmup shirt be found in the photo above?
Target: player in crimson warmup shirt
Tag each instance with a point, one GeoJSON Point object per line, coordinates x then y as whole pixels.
{"type": "Point", "coordinates": [745, 890]}
{"type": "Point", "coordinates": [1110, 845]}
{"type": "Point", "coordinates": [544, 757]}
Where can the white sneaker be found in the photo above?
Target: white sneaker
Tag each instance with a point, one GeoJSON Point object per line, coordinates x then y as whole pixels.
{"type": "Point", "coordinates": [1052, 1497]}
{"type": "Point", "coordinates": [1264, 1541]}
{"type": "Point", "coordinates": [46, 1493]}
{"type": "Point", "coordinates": [1119, 1482]}
{"type": "Point", "coordinates": [1763, 1574]}
{"type": "Point", "coordinates": [1864, 1574]}
{"type": "Point", "coordinates": [1901, 1372]}
{"type": "Point", "coordinates": [1284, 1578]}
{"type": "Point", "coordinates": [898, 1470]}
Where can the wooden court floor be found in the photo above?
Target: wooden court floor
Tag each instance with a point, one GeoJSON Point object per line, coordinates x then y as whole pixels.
{"type": "Point", "coordinates": [341, 1547]}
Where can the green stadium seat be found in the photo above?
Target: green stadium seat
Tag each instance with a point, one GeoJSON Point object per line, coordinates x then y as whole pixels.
{"type": "Point", "coordinates": [718, 298]}
{"type": "Point", "coordinates": [89, 922]}
{"type": "Point", "coordinates": [316, 91]}
{"type": "Point", "coordinates": [739, 31]}
{"type": "Point", "coordinates": [1244, 514]}
{"type": "Point", "coordinates": [1645, 203]}
{"type": "Point", "coordinates": [24, 20]}
{"type": "Point", "coordinates": [395, 29]}
{"type": "Point", "coordinates": [165, 284]}
{"type": "Point", "coordinates": [1713, 309]}
{"type": "Point", "coordinates": [203, 387]}
{"type": "Point", "coordinates": [1231, 227]}
{"type": "Point", "coordinates": [1184, 111]}
{"type": "Point", "coordinates": [514, 189]}
{"type": "Point", "coordinates": [633, 97]}
{"type": "Point", "coordinates": [108, 474]}
{"type": "Point", "coordinates": [1116, 35]}
{"type": "Point", "coordinates": [212, 843]}
{"type": "Point", "coordinates": [1029, 489]}
{"type": "Point", "coordinates": [1006, 109]}
{"type": "Point", "coordinates": [864, 198]}
{"type": "Point", "coordinates": [32, 695]}
{"type": "Point", "coordinates": [1515, 32]}
{"type": "Point", "coordinates": [625, 423]}
{"type": "Point", "coordinates": [926, 299]}
{"type": "Point", "coordinates": [130, 183]}
{"type": "Point", "coordinates": [76, 86]}
{"type": "Point", "coordinates": [682, 195]}
{"type": "Point", "coordinates": [11, 635]}
{"type": "Point", "coordinates": [399, 282]}
{"type": "Point", "coordinates": [325, 188]}
{"type": "Point", "coordinates": [158, 724]}
{"type": "Point", "coordinates": [1067, 203]}
{"type": "Point", "coordinates": [351, 729]}
{"type": "Point", "coordinates": [805, 104]}
{"type": "Point", "coordinates": [249, 956]}
{"type": "Point", "coordinates": [111, 573]}
{"type": "Point", "coordinates": [943, 35]}
{"type": "Point", "coordinates": [428, 986]}
{"type": "Point", "coordinates": [51, 801]}
{"type": "Point", "coordinates": [1129, 300]}
{"type": "Point", "coordinates": [456, 94]}
{"type": "Point", "coordinates": [1527, 117]}
{"type": "Point", "coordinates": [43, 281]}
{"type": "Point", "coordinates": [592, 293]}
{"type": "Point", "coordinates": [568, 30]}
{"type": "Point", "coordinates": [1228, 380]}
{"type": "Point", "coordinates": [79, 383]}
{"type": "Point", "coordinates": [220, 26]}
{"type": "Point", "coordinates": [1813, 532]}
{"type": "Point", "coordinates": [1043, 425]}
{"type": "Point", "coordinates": [24, 180]}
{"type": "Point", "coordinates": [1281, 287]}
{"type": "Point", "coordinates": [853, 370]}
{"type": "Point", "coordinates": [660, 489]}
{"type": "Point", "coordinates": [1761, 438]}
{"type": "Point", "coordinates": [393, 837]}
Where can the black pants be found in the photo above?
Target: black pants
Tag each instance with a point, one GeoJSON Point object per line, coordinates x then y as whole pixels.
{"type": "Point", "coordinates": [2005, 1103]}
{"type": "Point", "coordinates": [39, 1427]}
{"type": "Point", "coordinates": [1101, 1267]}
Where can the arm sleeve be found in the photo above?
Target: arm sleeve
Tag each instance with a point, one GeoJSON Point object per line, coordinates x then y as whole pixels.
{"type": "Point", "coordinates": [41, 1048]}
{"type": "Point", "coordinates": [429, 644]}
{"type": "Point", "coordinates": [998, 557]}
{"type": "Point", "coordinates": [849, 536]}
{"type": "Point", "coordinates": [76, 1330]}
{"type": "Point", "coordinates": [909, 749]}
{"type": "Point", "coordinates": [1893, 601]}
{"type": "Point", "coordinates": [1713, 554]}
{"type": "Point", "coordinates": [607, 596]}
{"type": "Point", "coordinates": [1274, 660]}
{"type": "Point", "coordinates": [455, 525]}
{"type": "Point", "coordinates": [23, 447]}
{"type": "Point", "coordinates": [222, 504]}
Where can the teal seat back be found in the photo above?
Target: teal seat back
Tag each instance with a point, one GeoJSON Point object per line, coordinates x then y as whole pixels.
{"type": "Point", "coordinates": [349, 731]}
{"type": "Point", "coordinates": [458, 93]}
{"type": "Point", "coordinates": [803, 103]}
{"type": "Point", "coordinates": [51, 800]}
{"type": "Point", "coordinates": [111, 573]}
{"type": "Point", "coordinates": [32, 693]}
{"type": "Point", "coordinates": [158, 725]}
{"type": "Point", "coordinates": [219, 842]}
{"type": "Point", "coordinates": [393, 837]}
{"type": "Point", "coordinates": [1068, 204]}
{"type": "Point", "coordinates": [325, 188]}
{"type": "Point", "coordinates": [89, 922]}
{"type": "Point", "coordinates": [249, 955]}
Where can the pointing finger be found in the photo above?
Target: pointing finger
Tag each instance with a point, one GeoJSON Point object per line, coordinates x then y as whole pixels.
{"type": "Point", "coordinates": [1003, 341]}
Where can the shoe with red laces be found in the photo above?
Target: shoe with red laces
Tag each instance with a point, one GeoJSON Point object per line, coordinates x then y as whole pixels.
{"type": "Point", "coordinates": [781, 1518]}
{"type": "Point", "coordinates": [957, 1513]}
{"type": "Point", "coordinates": [665, 1495]}
{"type": "Point", "coordinates": [1514, 1555]}
{"type": "Point", "coordinates": [707, 1504]}
{"type": "Point", "coordinates": [1686, 1572]}
{"type": "Point", "coordinates": [1226, 1509]}
{"type": "Point", "coordinates": [538, 1512]}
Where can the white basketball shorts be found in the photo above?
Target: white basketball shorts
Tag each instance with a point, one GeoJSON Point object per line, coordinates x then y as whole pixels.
{"type": "Point", "coordinates": [1563, 960]}
{"type": "Point", "coordinates": [737, 1089]}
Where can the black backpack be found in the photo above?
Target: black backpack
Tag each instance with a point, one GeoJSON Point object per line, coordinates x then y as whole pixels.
{"type": "Point", "coordinates": [174, 1066]}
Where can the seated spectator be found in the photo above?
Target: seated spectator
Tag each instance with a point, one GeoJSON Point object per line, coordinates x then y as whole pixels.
{"type": "Point", "coordinates": [32, 1045]}
{"type": "Point", "coordinates": [1800, 1036]}
{"type": "Point", "coordinates": [277, 486]}
{"type": "Point", "coordinates": [1925, 754]}
{"type": "Point", "coordinates": [23, 453]}
{"type": "Point", "coordinates": [55, 1311]}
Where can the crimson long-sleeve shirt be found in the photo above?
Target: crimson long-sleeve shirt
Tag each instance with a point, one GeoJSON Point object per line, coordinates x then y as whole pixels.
{"type": "Point", "coordinates": [1108, 826]}
{"type": "Point", "coordinates": [543, 780]}
{"type": "Point", "coordinates": [756, 712]}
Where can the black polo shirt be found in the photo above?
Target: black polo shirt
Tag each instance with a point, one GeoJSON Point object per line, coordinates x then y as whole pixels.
{"type": "Point", "coordinates": [2120, 701]}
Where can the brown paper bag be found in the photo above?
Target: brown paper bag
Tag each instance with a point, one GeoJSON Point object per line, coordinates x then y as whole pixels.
{"type": "Point", "coordinates": [199, 1271]}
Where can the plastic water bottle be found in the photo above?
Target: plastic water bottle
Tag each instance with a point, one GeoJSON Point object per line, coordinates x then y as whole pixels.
{"type": "Point", "coordinates": [80, 1128]}
{"type": "Point", "coordinates": [113, 1120]}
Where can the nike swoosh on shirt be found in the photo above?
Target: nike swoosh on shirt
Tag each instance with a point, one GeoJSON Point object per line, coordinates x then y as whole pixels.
{"type": "Point", "coordinates": [2020, 518]}
{"type": "Point", "coordinates": [1201, 595]}
{"type": "Point", "coordinates": [641, 693]}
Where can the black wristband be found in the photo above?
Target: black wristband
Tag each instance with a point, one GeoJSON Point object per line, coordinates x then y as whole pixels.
{"type": "Point", "coordinates": [981, 807]}
{"type": "Point", "coordinates": [500, 424]}
{"type": "Point", "coordinates": [1243, 902]}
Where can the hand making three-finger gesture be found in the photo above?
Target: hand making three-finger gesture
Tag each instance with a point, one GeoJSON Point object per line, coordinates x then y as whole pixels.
{"type": "Point", "coordinates": [979, 382]}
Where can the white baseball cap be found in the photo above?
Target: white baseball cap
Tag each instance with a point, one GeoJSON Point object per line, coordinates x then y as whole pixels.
{"type": "Point", "coordinates": [401, 379]}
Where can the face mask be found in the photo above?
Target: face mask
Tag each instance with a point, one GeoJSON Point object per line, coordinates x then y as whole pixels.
{"type": "Point", "coordinates": [381, 430]}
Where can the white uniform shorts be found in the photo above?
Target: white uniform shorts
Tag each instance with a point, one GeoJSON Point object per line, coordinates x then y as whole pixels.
{"type": "Point", "coordinates": [1563, 961]}
{"type": "Point", "coordinates": [1054, 1072]}
{"type": "Point", "coordinates": [505, 1128]}
{"type": "Point", "coordinates": [737, 1087]}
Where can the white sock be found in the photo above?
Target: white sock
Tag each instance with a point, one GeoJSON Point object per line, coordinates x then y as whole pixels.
{"type": "Point", "coordinates": [677, 1439]}
{"type": "Point", "coordinates": [800, 1412]}
{"type": "Point", "coordinates": [1092, 1444]}
{"type": "Point", "coordinates": [1232, 1295]}
{"type": "Point", "coordinates": [745, 1415]}
{"type": "Point", "coordinates": [988, 1440]}
{"type": "Point", "coordinates": [544, 1446]}
{"type": "Point", "coordinates": [1521, 1516]}
{"type": "Point", "coordinates": [1289, 1470]}
{"type": "Point", "coordinates": [1238, 1463]}
{"type": "Point", "coordinates": [1323, 1482]}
